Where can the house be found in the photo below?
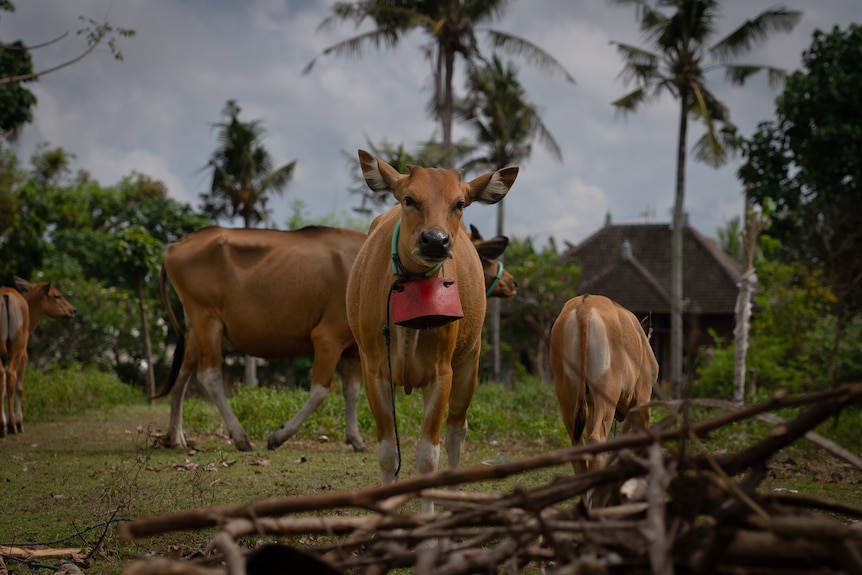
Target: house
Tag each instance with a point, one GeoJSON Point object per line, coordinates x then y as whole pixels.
{"type": "Point", "coordinates": [630, 263]}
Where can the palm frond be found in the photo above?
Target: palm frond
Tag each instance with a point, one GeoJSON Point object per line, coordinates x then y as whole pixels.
{"type": "Point", "coordinates": [752, 32]}
{"type": "Point", "coordinates": [533, 54]}
{"type": "Point", "coordinates": [352, 47]}
{"type": "Point", "coordinates": [639, 65]}
{"type": "Point", "coordinates": [631, 102]}
{"type": "Point", "coordinates": [709, 149]}
{"type": "Point", "coordinates": [278, 180]}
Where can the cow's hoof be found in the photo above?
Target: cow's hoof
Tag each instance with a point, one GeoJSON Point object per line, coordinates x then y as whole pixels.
{"type": "Point", "coordinates": [358, 446]}
{"type": "Point", "coordinates": [243, 444]}
{"type": "Point", "coordinates": [273, 443]}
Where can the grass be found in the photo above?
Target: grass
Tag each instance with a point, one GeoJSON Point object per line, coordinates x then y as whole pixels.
{"type": "Point", "coordinates": [89, 458]}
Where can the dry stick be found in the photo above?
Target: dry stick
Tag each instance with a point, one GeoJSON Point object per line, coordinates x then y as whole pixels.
{"type": "Point", "coordinates": [657, 483]}
{"type": "Point", "coordinates": [826, 403]}
{"type": "Point", "coordinates": [811, 436]}
{"type": "Point", "coordinates": [791, 500]}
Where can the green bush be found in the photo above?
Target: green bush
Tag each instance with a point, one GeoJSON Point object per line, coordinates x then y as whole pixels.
{"type": "Point", "coordinates": [63, 392]}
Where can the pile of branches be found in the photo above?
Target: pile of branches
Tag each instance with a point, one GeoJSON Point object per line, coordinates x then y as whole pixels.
{"type": "Point", "coordinates": [661, 505]}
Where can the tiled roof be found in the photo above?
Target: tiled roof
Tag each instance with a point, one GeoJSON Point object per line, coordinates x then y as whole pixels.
{"type": "Point", "coordinates": [641, 281]}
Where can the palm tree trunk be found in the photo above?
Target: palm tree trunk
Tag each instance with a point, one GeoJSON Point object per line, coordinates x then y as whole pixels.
{"type": "Point", "coordinates": [446, 109]}
{"type": "Point", "coordinates": [676, 263]}
{"type": "Point", "coordinates": [494, 307]}
{"type": "Point", "coordinates": [250, 377]}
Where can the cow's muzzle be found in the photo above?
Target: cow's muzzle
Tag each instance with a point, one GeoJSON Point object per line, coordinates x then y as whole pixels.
{"type": "Point", "coordinates": [435, 244]}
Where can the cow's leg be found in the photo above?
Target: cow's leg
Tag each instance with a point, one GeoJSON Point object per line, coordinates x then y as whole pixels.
{"type": "Point", "coordinates": [464, 380]}
{"type": "Point", "coordinates": [326, 354]}
{"type": "Point", "coordinates": [19, 393]}
{"type": "Point", "coordinates": [176, 435]}
{"type": "Point", "coordinates": [378, 391]}
{"type": "Point", "coordinates": [3, 379]}
{"type": "Point", "coordinates": [351, 375]}
{"type": "Point", "coordinates": [316, 394]}
{"type": "Point", "coordinates": [599, 421]}
{"type": "Point", "coordinates": [212, 381]}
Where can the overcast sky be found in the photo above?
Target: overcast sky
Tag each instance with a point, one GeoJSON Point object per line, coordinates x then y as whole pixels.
{"type": "Point", "coordinates": [153, 112]}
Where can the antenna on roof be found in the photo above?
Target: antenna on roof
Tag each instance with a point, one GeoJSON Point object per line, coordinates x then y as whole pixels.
{"type": "Point", "coordinates": [648, 214]}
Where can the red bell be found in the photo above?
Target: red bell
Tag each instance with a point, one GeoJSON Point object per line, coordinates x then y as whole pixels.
{"type": "Point", "coordinates": [426, 303]}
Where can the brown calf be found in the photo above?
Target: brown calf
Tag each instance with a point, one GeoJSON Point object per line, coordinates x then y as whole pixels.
{"type": "Point", "coordinates": [19, 316]}
{"type": "Point", "coordinates": [442, 361]}
{"type": "Point", "coordinates": [603, 367]}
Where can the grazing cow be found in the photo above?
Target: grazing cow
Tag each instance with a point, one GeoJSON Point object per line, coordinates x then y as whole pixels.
{"type": "Point", "coordinates": [498, 281]}
{"type": "Point", "coordinates": [442, 361]}
{"type": "Point", "coordinates": [603, 366]}
{"type": "Point", "coordinates": [19, 316]}
{"type": "Point", "coordinates": [272, 294]}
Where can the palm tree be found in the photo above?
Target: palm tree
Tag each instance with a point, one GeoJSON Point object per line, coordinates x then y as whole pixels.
{"type": "Point", "coordinates": [505, 125]}
{"type": "Point", "coordinates": [681, 43]}
{"type": "Point", "coordinates": [243, 176]}
{"type": "Point", "coordinates": [242, 179]}
{"type": "Point", "coordinates": [451, 26]}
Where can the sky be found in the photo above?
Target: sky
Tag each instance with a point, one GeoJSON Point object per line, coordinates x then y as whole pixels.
{"type": "Point", "coordinates": [153, 112]}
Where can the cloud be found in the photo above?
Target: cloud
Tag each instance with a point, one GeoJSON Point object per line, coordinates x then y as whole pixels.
{"type": "Point", "coordinates": [153, 112]}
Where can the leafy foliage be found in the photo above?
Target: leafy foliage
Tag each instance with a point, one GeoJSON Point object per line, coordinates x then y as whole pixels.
{"type": "Point", "coordinates": [544, 285]}
{"type": "Point", "coordinates": [791, 336]}
{"type": "Point", "coordinates": [16, 101]}
{"type": "Point", "coordinates": [807, 162]}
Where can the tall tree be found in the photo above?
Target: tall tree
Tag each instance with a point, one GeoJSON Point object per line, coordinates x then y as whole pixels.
{"type": "Point", "coordinates": [505, 125]}
{"type": "Point", "coordinates": [451, 26]}
{"type": "Point", "coordinates": [680, 34]}
{"type": "Point", "coordinates": [243, 177]}
{"type": "Point", "coordinates": [243, 172]}
{"type": "Point", "coordinates": [808, 163]}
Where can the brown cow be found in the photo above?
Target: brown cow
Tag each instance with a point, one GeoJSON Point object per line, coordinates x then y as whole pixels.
{"type": "Point", "coordinates": [19, 316]}
{"type": "Point", "coordinates": [603, 367]}
{"type": "Point", "coordinates": [272, 294]}
{"type": "Point", "coordinates": [498, 281]}
{"type": "Point", "coordinates": [442, 361]}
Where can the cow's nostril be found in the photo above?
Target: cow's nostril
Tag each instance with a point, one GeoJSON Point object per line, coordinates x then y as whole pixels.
{"type": "Point", "coordinates": [435, 239]}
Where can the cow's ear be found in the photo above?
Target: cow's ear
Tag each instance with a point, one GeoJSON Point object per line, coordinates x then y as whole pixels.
{"type": "Point", "coordinates": [492, 187]}
{"type": "Point", "coordinates": [380, 176]}
{"type": "Point", "coordinates": [45, 290]}
{"type": "Point", "coordinates": [492, 248]}
{"type": "Point", "coordinates": [474, 234]}
{"type": "Point", "coordinates": [22, 285]}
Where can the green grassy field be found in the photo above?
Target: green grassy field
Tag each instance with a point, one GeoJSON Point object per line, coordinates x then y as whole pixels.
{"type": "Point", "coordinates": [90, 458]}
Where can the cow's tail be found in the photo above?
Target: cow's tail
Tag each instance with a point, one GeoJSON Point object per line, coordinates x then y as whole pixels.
{"type": "Point", "coordinates": [583, 319]}
{"type": "Point", "coordinates": [179, 351]}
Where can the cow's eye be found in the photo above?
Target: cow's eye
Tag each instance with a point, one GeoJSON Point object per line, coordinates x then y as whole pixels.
{"type": "Point", "coordinates": [460, 205]}
{"type": "Point", "coordinates": [409, 202]}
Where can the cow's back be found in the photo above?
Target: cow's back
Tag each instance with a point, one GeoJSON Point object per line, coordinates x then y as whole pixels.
{"type": "Point", "coordinates": [288, 283]}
